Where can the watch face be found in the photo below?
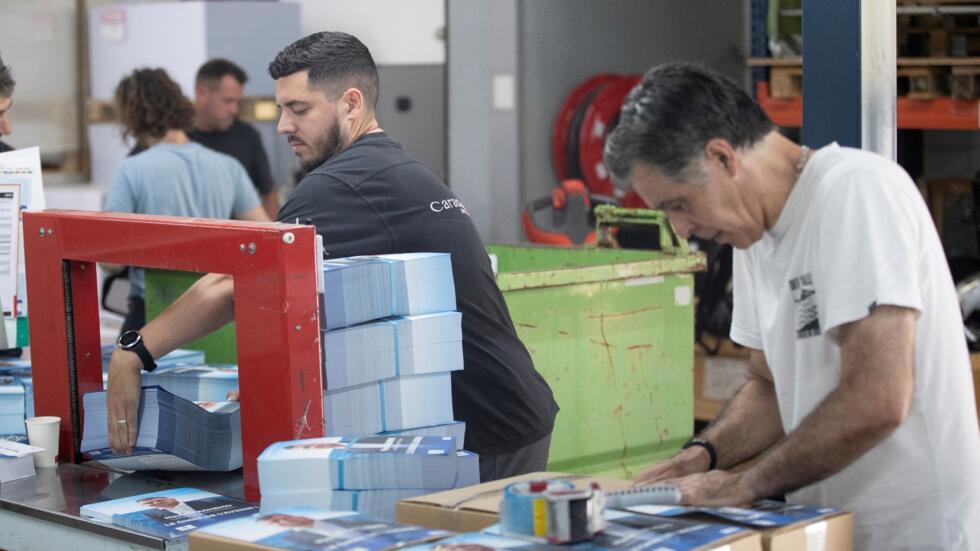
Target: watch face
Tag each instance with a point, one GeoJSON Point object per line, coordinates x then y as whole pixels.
{"type": "Point", "coordinates": [129, 339]}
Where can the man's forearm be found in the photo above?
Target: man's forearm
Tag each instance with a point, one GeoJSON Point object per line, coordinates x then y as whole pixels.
{"type": "Point", "coordinates": [830, 438]}
{"type": "Point", "coordinates": [270, 202]}
{"type": "Point", "coordinates": [870, 402]}
{"type": "Point", "coordinates": [205, 307]}
{"type": "Point", "coordinates": [748, 425]}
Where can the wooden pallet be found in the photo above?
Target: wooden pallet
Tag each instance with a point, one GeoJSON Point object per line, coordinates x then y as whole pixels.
{"type": "Point", "coordinates": [786, 82]}
{"type": "Point", "coordinates": [921, 82]}
{"type": "Point", "coordinates": [919, 78]}
{"type": "Point", "coordinates": [964, 82]}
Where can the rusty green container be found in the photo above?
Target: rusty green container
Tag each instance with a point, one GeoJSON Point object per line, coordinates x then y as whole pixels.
{"type": "Point", "coordinates": [612, 332]}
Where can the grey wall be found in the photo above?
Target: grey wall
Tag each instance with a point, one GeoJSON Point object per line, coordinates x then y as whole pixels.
{"type": "Point", "coordinates": [483, 138]}
{"type": "Point", "coordinates": [498, 157]}
{"type": "Point", "coordinates": [563, 42]}
{"type": "Point", "coordinates": [421, 128]}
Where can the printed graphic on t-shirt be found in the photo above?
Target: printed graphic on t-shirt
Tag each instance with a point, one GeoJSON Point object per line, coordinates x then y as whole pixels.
{"type": "Point", "coordinates": [805, 299]}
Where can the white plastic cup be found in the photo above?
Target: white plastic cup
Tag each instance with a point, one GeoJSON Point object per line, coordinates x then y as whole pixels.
{"type": "Point", "coordinates": [42, 432]}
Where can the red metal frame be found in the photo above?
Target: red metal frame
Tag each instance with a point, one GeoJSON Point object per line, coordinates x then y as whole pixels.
{"type": "Point", "coordinates": [276, 311]}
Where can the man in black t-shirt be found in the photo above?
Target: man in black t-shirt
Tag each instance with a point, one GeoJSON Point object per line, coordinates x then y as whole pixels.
{"type": "Point", "coordinates": [6, 100]}
{"type": "Point", "coordinates": [218, 90]}
{"type": "Point", "coordinates": [365, 195]}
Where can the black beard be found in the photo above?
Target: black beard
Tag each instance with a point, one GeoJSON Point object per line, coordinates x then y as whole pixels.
{"type": "Point", "coordinates": [325, 149]}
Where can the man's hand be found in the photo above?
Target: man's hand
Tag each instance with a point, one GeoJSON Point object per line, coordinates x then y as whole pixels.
{"type": "Point", "coordinates": [690, 461]}
{"type": "Point", "coordinates": [714, 488]}
{"type": "Point", "coordinates": [123, 400]}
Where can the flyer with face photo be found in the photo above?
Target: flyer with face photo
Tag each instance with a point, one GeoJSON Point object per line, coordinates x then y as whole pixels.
{"type": "Point", "coordinates": [306, 528]}
{"type": "Point", "coordinates": [169, 514]}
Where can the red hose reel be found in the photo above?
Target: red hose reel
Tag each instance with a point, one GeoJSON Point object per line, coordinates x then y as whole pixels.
{"type": "Point", "coordinates": [578, 137]}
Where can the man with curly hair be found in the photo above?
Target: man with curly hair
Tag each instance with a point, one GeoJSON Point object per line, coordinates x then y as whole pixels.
{"type": "Point", "coordinates": [173, 176]}
{"type": "Point", "coordinates": [6, 101]}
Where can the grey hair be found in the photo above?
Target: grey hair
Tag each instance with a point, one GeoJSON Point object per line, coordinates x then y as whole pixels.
{"type": "Point", "coordinates": [6, 81]}
{"type": "Point", "coordinates": [667, 119]}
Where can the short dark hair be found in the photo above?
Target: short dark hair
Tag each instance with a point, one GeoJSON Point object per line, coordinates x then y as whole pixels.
{"type": "Point", "coordinates": [336, 61]}
{"type": "Point", "coordinates": [6, 81]}
{"type": "Point", "coordinates": [150, 103]}
{"type": "Point", "coordinates": [668, 118]}
{"type": "Point", "coordinates": [216, 69]}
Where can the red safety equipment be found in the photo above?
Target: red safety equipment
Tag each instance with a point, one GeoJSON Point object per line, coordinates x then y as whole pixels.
{"type": "Point", "coordinates": [276, 310]}
{"type": "Point", "coordinates": [564, 218]}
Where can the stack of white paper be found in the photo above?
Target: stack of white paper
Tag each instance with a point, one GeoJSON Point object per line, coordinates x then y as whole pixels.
{"type": "Point", "coordinates": [392, 404]}
{"type": "Point", "coordinates": [364, 288]}
{"type": "Point", "coordinates": [174, 434]}
{"type": "Point", "coordinates": [11, 406]}
{"type": "Point", "coordinates": [365, 463]}
{"type": "Point", "coordinates": [20, 371]}
{"type": "Point", "coordinates": [366, 474]}
{"type": "Point", "coordinates": [16, 460]}
{"type": "Point", "coordinates": [427, 343]}
{"type": "Point", "coordinates": [196, 383]}
{"type": "Point", "coordinates": [376, 503]}
{"type": "Point", "coordinates": [456, 429]}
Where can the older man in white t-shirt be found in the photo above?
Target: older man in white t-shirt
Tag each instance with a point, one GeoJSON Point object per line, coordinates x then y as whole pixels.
{"type": "Point", "coordinates": [859, 394]}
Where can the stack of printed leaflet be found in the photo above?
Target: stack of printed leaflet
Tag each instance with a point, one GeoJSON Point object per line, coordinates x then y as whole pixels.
{"type": "Point", "coordinates": [177, 357]}
{"type": "Point", "coordinates": [20, 370]}
{"type": "Point", "coordinates": [367, 474]}
{"type": "Point", "coordinates": [389, 374]}
{"type": "Point", "coordinates": [12, 405]}
{"type": "Point", "coordinates": [308, 528]}
{"type": "Point", "coordinates": [195, 382]}
{"type": "Point", "coordinates": [411, 345]}
{"type": "Point", "coordinates": [364, 288]}
{"type": "Point", "coordinates": [174, 434]}
{"type": "Point", "coordinates": [399, 403]}
{"type": "Point", "coordinates": [169, 514]}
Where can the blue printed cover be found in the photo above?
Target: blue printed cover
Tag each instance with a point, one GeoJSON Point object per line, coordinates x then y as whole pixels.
{"type": "Point", "coordinates": [482, 542]}
{"type": "Point", "coordinates": [763, 514]}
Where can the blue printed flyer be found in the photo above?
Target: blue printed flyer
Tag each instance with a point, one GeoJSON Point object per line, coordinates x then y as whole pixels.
{"type": "Point", "coordinates": [169, 514]}
{"type": "Point", "coordinates": [309, 529]}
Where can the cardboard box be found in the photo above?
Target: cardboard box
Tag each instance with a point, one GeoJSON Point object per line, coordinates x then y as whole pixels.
{"type": "Point", "coordinates": [833, 532]}
{"type": "Point", "coordinates": [473, 508]}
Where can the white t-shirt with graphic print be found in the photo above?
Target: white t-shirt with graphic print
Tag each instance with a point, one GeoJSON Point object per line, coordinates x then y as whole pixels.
{"type": "Point", "coordinates": [855, 233]}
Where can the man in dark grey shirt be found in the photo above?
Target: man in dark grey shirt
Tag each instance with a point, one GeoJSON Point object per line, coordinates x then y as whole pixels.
{"type": "Point", "coordinates": [218, 91]}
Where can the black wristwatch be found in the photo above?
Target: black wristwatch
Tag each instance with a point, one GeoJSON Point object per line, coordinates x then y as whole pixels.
{"type": "Point", "coordinates": [133, 341]}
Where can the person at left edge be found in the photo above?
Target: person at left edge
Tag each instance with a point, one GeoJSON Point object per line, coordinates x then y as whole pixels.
{"type": "Point", "coordinates": [6, 102]}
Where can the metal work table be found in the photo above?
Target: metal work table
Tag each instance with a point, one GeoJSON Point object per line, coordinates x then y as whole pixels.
{"type": "Point", "coordinates": [41, 512]}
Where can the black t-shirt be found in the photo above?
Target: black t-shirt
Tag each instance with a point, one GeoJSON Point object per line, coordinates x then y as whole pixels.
{"type": "Point", "coordinates": [242, 142]}
{"type": "Point", "coordinates": [4, 147]}
{"type": "Point", "coordinates": [372, 198]}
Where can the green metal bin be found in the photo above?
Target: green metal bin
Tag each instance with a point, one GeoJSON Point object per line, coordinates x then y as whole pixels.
{"type": "Point", "coordinates": [611, 330]}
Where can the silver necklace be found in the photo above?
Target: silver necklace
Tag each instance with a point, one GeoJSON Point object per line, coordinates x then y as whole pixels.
{"type": "Point", "coordinates": [801, 160]}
